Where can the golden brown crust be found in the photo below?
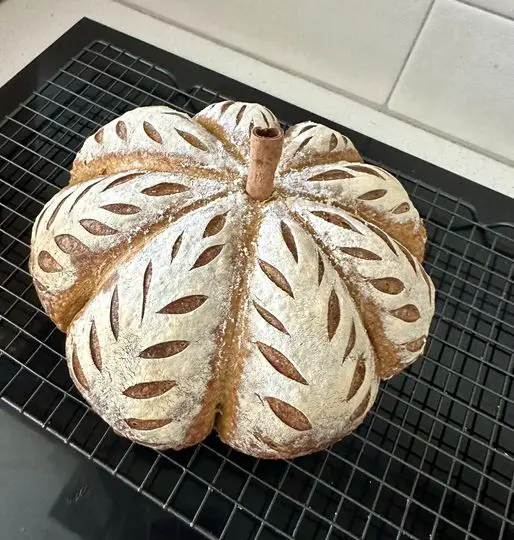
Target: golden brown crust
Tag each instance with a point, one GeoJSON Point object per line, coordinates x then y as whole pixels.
{"type": "Point", "coordinates": [350, 155]}
{"type": "Point", "coordinates": [110, 164]}
{"type": "Point", "coordinates": [213, 127]}
{"type": "Point", "coordinates": [234, 348]}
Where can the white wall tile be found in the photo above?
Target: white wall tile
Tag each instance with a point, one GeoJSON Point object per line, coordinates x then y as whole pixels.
{"type": "Point", "coordinates": [357, 46]}
{"type": "Point", "coordinates": [502, 7]}
{"type": "Point", "coordinates": [460, 77]}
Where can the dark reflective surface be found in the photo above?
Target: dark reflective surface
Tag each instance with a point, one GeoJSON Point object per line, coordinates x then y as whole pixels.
{"type": "Point", "coordinates": [48, 491]}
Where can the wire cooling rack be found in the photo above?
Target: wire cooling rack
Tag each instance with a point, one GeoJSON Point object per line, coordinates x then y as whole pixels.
{"type": "Point", "coordinates": [434, 459]}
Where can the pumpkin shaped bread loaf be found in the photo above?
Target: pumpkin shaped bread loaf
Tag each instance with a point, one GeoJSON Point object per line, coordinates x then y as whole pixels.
{"type": "Point", "coordinates": [210, 272]}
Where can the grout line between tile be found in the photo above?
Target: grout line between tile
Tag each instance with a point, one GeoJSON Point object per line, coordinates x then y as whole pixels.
{"type": "Point", "coordinates": [486, 10]}
{"type": "Point", "coordinates": [454, 139]}
{"type": "Point", "coordinates": [385, 106]}
{"type": "Point", "coordinates": [380, 108]}
{"type": "Point", "coordinates": [186, 28]}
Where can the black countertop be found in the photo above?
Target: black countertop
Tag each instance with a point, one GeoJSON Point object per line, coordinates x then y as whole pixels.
{"type": "Point", "coordinates": [48, 491]}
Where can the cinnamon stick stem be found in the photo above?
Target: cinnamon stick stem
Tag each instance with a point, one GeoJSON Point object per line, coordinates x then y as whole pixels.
{"type": "Point", "coordinates": [265, 151]}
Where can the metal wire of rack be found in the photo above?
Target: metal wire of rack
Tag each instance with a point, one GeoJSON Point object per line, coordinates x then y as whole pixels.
{"type": "Point", "coordinates": [434, 459]}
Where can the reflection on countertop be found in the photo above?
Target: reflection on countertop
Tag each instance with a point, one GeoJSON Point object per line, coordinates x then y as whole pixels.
{"type": "Point", "coordinates": [47, 491]}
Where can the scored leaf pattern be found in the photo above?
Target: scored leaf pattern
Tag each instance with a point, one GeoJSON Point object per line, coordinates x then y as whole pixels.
{"type": "Point", "coordinates": [385, 238]}
{"type": "Point", "coordinates": [290, 415]}
{"type": "Point", "coordinates": [280, 363]}
{"type": "Point", "coordinates": [118, 182]}
{"type": "Point", "coordinates": [207, 256]}
{"type": "Point", "coordinates": [299, 150]}
{"type": "Point", "coordinates": [155, 133]}
{"type": "Point", "coordinates": [308, 142]}
{"type": "Point", "coordinates": [215, 225]}
{"type": "Point", "coordinates": [192, 140]}
{"type": "Point", "coordinates": [152, 132]}
{"type": "Point", "coordinates": [296, 368]}
{"type": "Point", "coordinates": [417, 344]}
{"type": "Point", "coordinates": [333, 142]}
{"type": "Point", "coordinates": [164, 188]}
{"type": "Point", "coordinates": [94, 346]}
{"type": "Point", "coordinates": [47, 263]}
{"type": "Point", "coordinates": [176, 247]}
{"type": "Point", "coordinates": [335, 219]}
{"type": "Point", "coordinates": [147, 425]}
{"type": "Point", "coordinates": [239, 115]}
{"type": "Point", "coordinates": [276, 277]}
{"type": "Point", "coordinates": [321, 268]}
{"type": "Point", "coordinates": [156, 377]}
{"type": "Point", "coordinates": [121, 130]}
{"type": "Point", "coordinates": [358, 377]}
{"type": "Point", "coordinates": [333, 174]}
{"type": "Point", "coordinates": [363, 190]}
{"type": "Point", "coordinates": [97, 228]}
{"type": "Point", "coordinates": [186, 304]}
{"type": "Point", "coordinates": [366, 169]}
{"type": "Point", "coordinates": [408, 256]}
{"type": "Point", "coordinates": [360, 253]}
{"type": "Point", "coordinates": [333, 315]}
{"type": "Point", "coordinates": [401, 208]}
{"type": "Point", "coordinates": [407, 313]}
{"type": "Point", "coordinates": [270, 318]}
{"type": "Point", "coordinates": [388, 285]}
{"type": "Point", "coordinates": [70, 245]}
{"type": "Point", "coordinates": [164, 349]}
{"type": "Point", "coordinates": [95, 223]}
{"type": "Point", "coordinates": [147, 281]}
{"type": "Point", "coordinates": [373, 195]}
{"type": "Point", "coordinates": [115, 313]}
{"type": "Point", "coordinates": [120, 208]}
{"type": "Point", "coordinates": [391, 283]}
{"type": "Point", "coordinates": [288, 237]}
{"type": "Point", "coordinates": [233, 124]}
{"type": "Point", "coordinates": [149, 389]}
{"type": "Point", "coordinates": [351, 341]}
{"type": "Point", "coordinates": [55, 213]}
{"type": "Point", "coordinates": [150, 337]}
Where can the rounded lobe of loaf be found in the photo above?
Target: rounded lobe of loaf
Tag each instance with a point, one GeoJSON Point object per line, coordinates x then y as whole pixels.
{"type": "Point", "coordinates": [309, 143]}
{"type": "Point", "coordinates": [308, 375]}
{"type": "Point", "coordinates": [232, 123]}
{"type": "Point", "coordinates": [85, 228]}
{"type": "Point", "coordinates": [393, 292]}
{"type": "Point", "coordinates": [156, 327]}
{"type": "Point", "coordinates": [154, 138]}
{"type": "Point", "coordinates": [366, 191]}
{"type": "Point", "coordinates": [195, 307]}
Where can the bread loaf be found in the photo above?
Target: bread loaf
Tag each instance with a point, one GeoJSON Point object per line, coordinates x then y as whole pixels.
{"type": "Point", "coordinates": [210, 273]}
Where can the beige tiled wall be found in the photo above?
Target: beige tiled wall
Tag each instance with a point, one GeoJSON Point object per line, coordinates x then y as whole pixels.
{"type": "Point", "coordinates": [447, 65]}
{"type": "Point", "coordinates": [459, 78]}
{"type": "Point", "coordinates": [335, 42]}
